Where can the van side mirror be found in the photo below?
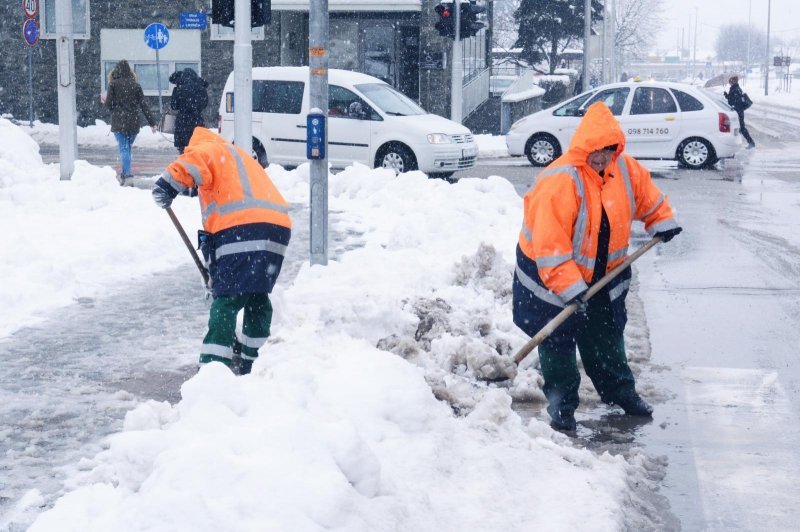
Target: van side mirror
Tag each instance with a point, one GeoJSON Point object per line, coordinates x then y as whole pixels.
{"type": "Point", "coordinates": [580, 112]}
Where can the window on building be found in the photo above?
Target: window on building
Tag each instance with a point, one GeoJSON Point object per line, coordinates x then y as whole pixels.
{"type": "Point", "coordinates": [80, 19]}
{"type": "Point", "coordinates": [183, 51]}
{"type": "Point", "coordinates": [218, 32]}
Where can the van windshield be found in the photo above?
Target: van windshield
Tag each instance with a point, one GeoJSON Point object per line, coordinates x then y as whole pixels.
{"type": "Point", "coordinates": [389, 100]}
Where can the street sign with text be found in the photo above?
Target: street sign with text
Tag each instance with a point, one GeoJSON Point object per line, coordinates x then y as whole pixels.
{"type": "Point", "coordinates": [31, 8]}
{"type": "Point", "coordinates": [193, 21]}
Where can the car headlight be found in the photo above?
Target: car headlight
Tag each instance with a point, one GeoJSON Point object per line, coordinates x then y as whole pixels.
{"type": "Point", "coordinates": [439, 138]}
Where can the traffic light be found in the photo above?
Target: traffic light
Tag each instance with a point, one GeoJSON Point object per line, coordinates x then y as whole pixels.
{"type": "Point", "coordinates": [446, 25]}
{"type": "Point", "coordinates": [469, 24]}
{"type": "Point", "coordinates": [223, 12]}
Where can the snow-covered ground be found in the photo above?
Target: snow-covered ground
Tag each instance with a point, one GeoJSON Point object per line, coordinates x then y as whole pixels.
{"type": "Point", "coordinates": [333, 429]}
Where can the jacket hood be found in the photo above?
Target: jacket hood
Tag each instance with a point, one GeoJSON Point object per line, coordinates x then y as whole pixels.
{"type": "Point", "coordinates": [597, 130]}
{"type": "Point", "coordinates": [203, 134]}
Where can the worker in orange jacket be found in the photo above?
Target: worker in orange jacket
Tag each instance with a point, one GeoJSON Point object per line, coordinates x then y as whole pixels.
{"type": "Point", "coordinates": [577, 225]}
{"type": "Point", "coordinates": [246, 232]}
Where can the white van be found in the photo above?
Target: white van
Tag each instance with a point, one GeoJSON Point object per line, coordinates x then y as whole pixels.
{"type": "Point", "coordinates": [369, 122]}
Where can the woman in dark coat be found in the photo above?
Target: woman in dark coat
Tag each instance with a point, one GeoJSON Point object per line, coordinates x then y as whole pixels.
{"type": "Point", "coordinates": [125, 100]}
{"type": "Point", "coordinates": [735, 98]}
{"type": "Point", "coordinates": [189, 98]}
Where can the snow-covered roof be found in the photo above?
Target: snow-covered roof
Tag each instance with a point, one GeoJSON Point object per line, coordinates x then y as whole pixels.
{"type": "Point", "coordinates": [350, 5]}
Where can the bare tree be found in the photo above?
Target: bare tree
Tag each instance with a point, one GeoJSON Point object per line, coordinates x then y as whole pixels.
{"type": "Point", "coordinates": [637, 24]}
{"type": "Point", "coordinates": [505, 27]}
{"type": "Point", "coordinates": [732, 42]}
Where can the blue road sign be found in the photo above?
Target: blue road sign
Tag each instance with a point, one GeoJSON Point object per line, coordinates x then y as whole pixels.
{"type": "Point", "coordinates": [193, 21]}
{"type": "Point", "coordinates": [156, 35]}
{"type": "Point", "coordinates": [30, 30]}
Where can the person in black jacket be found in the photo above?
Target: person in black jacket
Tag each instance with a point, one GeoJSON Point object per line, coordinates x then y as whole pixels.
{"type": "Point", "coordinates": [736, 100]}
{"type": "Point", "coordinates": [189, 99]}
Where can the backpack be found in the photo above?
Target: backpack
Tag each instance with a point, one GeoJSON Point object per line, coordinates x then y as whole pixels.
{"type": "Point", "coordinates": [746, 101]}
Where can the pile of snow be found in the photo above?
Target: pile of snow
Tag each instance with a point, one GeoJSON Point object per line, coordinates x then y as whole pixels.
{"type": "Point", "coordinates": [98, 134]}
{"type": "Point", "coordinates": [65, 240]}
{"type": "Point", "coordinates": [551, 79]}
{"type": "Point", "coordinates": [338, 426]}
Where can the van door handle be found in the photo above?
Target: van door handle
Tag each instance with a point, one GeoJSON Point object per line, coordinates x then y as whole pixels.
{"type": "Point", "coordinates": [669, 118]}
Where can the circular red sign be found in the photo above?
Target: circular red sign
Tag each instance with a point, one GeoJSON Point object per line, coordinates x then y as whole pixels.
{"type": "Point", "coordinates": [31, 7]}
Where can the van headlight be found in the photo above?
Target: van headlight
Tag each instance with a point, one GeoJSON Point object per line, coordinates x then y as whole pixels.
{"type": "Point", "coordinates": [439, 138]}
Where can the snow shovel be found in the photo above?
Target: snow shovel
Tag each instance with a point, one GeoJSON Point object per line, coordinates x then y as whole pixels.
{"type": "Point", "coordinates": [189, 246]}
{"type": "Point", "coordinates": [569, 310]}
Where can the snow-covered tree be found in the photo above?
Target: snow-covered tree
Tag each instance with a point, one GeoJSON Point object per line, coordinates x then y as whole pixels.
{"type": "Point", "coordinates": [637, 24]}
{"type": "Point", "coordinates": [547, 27]}
{"type": "Point", "coordinates": [732, 43]}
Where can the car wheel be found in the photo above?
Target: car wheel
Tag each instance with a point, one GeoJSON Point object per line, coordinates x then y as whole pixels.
{"type": "Point", "coordinates": [696, 153]}
{"type": "Point", "coordinates": [259, 153]}
{"type": "Point", "coordinates": [397, 157]}
{"type": "Point", "coordinates": [542, 149]}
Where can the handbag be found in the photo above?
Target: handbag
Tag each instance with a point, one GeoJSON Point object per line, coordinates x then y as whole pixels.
{"type": "Point", "coordinates": [167, 123]}
{"type": "Point", "coordinates": [746, 101]}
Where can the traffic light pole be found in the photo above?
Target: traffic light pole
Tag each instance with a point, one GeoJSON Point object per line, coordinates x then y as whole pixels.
{"type": "Point", "coordinates": [242, 77]}
{"type": "Point", "coordinates": [457, 68]}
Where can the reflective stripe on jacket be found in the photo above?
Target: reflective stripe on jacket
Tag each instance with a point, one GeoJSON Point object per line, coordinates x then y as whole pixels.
{"type": "Point", "coordinates": [562, 213]}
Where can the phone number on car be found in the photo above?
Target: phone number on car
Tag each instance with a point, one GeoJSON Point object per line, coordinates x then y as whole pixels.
{"type": "Point", "coordinates": [648, 131]}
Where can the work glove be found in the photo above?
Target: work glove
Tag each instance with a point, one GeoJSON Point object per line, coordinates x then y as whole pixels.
{"type": "Point", "coordinates": [163, 193]}
{"type": "Point", "coordinates": [578, 300]}
{"type": "Point", "coordinates": [669, 234]}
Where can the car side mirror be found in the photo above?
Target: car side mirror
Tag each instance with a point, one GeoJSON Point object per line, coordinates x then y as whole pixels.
{"type": "Point", "coordinates": [580, 112]}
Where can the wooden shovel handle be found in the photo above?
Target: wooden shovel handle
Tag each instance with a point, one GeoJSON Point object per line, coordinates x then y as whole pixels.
{"type": "Point", "coordinates": [189, 246]}
{"type": "Point", "coordinates": [569, 310]}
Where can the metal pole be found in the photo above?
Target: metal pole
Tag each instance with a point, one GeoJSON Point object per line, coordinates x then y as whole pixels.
{"type": "Point", "coordinates": [242, 77]}
{"type": "Point", "coordinates": [604, 70]}
{"type": "Point", "coordinates": [65, 54]}
{"type": "Point", "coordinates": [158, 82]}
{"type": "Point", "coordinates": [587, 35]}
{"type": "Point", "coordinates": [457, 68]}
{"type": "Point", "coordinates": [749, 33]}
{"type": "Point", "coordinates": [694, 52]}
{"type": "Point", "coordinates": [318, 85]}
{"type": "Point", "coordinates": [30, 86]}
{"type": "Point", "coordinates": [766, 57]}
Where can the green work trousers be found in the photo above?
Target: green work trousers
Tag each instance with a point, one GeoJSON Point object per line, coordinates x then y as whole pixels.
{"type": "Point", "coordinates": [602, 349]}
{"type": "Point", "coordinates": [219, 341]}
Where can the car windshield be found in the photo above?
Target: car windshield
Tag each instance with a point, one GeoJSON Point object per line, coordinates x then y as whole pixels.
{"type": "Point", "coordinates": [571, 107]}
{"type": "Point", "coordinates": [389, 100]}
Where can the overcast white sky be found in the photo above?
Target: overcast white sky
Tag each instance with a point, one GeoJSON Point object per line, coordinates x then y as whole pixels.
{"type": "Point", "coordinates": [680, 15]}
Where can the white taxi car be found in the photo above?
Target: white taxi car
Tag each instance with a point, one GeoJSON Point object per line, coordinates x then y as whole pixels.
{"type": "Point", "coordinates": [660, 120]}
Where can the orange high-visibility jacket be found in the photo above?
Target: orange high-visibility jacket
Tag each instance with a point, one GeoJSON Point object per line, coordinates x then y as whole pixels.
{"type": "Point", "coordinates": [245, 217]}
{"type": "Point", "coordinates": [559, 237]}
{"type": "Point", "coordinates": [233, 187]}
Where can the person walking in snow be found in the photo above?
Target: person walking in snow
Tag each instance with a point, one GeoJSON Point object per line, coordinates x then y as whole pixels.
{"type": "Point", "coordinates": [576, 228]}
{"type": "Point", "coordinates": [125, 99]}
{"type": "Point", "coordinates": [739, 101]}
{"type": "Point", "coordinates": [189, 98]}
{"type": "Point", "coordinates": [246, 232]}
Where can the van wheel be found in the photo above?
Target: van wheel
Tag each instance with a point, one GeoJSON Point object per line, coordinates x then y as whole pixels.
{"type": "Point", "coordinates": [696, 153]}
{"type": "Point", "coordinates": [397, 157]}
{"type": "Point", "coordinates": [542, 149]}
{"type": "Point", "coordinates": [259, 153]}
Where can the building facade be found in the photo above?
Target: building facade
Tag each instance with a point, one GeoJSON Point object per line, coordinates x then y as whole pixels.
{"type": "Point", "coordinates": [394, 41]}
